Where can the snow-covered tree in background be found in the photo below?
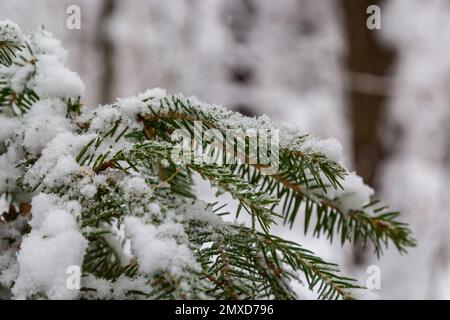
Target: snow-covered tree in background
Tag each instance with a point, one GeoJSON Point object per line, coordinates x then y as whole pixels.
{"type": "Point", "coordinates": [99, 189]}
{"type": "Point", "coordinates": [416, 178]}
{"type": "Point", "coordinates": [242, 53]}
{"type": "Point", "coordinates": [294, 51]}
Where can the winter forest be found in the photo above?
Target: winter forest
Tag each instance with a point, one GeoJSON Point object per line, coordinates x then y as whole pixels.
{"type": "Point", "coordinates": [373, 94]}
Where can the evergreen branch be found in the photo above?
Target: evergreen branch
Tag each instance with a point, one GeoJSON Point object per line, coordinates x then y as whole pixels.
{"type": "Point", "coordinates": [126, 179]}
{"type": "Point", "coordinates": [376, 228]}
{"type": "Point", "coordinates": [19, 102]}
{"type": "Point", "coordinates": [299, 184]}
{"type": "Point", "coordinates": [9, 50]}
{"type": "Point", "coordinates": [255, 203]}
{"type": "Point", "coordinates": [245, 259]}
{"type": "Point", "coordinates": [102, 260]}
{"type": "Point", "coordinates": [300, 181]}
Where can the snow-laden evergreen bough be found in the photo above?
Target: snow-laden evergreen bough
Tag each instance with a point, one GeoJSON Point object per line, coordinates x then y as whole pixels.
{"type": "Point", "coordinates": [99, 189]}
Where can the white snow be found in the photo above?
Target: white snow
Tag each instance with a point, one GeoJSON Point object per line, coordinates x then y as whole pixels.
{"type": "Point", "coordinates": [154, 208]}
{"type": "Point", "coordinates": [44, 122]}
{"type": "Point", "coordinates": [53, 245]}
{"type": "Point", "coordinates": [43, 264]}
{"type": "Point", "coordinates": [354, 195]}
{"type": "Point", "coordinates": [135, 186]}
{"type": "Point", "coordinates": [46, 44]}
{"type": "Point", "coordinates": [54, 80]}
{"type": "Point", "coordinates": [155, 252]}
{"type": "Point", "coordinates": [10, 32]}
{"type": "Point", "coordinates": [125, 284]}
{"type": "Point", "coordinates": [9, 171]}
{"type": "Point", "coordinates": [8, 127]}
{"type": "Point", "coordinates": [21, 76]}
{"type": "Point", "coordinates": [9, 269]}
{"type": "Point", "coordinates": [88, 191]}
{"type": "Point", "coordinates": [132, 106]}
{"type": "Point", "coordinates": [58, 160]}
{"type": "Point", "coordinates": [154, 94]}
{"type": "Point", "coordinates": [331, 148]}
{"type": "Point", "coordinates": [165, 163]}
{"type": "Point", "coordinates": [102, 287]}
{"type": "Point", "coordinates": [44, 203]}
{"type": "Point", "coordinates": [105, 117]}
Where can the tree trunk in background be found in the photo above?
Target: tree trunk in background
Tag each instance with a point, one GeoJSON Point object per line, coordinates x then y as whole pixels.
{"type": "Point", "coordinates": [241, 16]}
{"type": "Point", "coordinates": [366, 57]}
{"type": "Point", "coordinates": [106, 52]}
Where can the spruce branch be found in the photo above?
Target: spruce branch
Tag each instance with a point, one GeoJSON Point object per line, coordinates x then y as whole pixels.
{"type": "Point", "coordinates": [303, 177]}
{"type": "Point", "coordinates": [108, 183]}
{"type": "Point", "coordinates": [10, 43]}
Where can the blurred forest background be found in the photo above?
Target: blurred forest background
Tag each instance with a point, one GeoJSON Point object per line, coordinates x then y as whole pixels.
{"type": "Point", "coordinates": [385, 94]}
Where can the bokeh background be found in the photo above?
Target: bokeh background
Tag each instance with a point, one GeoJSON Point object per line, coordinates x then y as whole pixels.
{"type": "Point", "coordinates": [385, 94]}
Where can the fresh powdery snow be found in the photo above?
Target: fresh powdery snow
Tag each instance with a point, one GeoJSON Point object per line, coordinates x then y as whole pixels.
{"type": "Point", "coordinates": [8, 127]}
{"type": "Point", "coordinates": [9, 171]}
{"type": "Point", "coordinates": [43, 123]}
{"type": "Point", "coordinates": [331, 147]}
{"type": "Point", "coordinates": [57, 161]}
{"type": "Point", "coordinates": [136, 186]}
{"type": "Point", "coordinates": [46, 44]}
{"type": "Point", "coordinates": [155, 251]}
{"type": "Point", "coordinates": [54, 80]}
{"type": "Point", "coordinates": [130, 107]}
{"type": "Point", "coordinates": [10, 32]}
{"type": "Point", "coordinates": [353, 195]}
{"type": "Point", "coordinates": [104, 117]}
{"type": "Point", "coordinates": [53, 245]}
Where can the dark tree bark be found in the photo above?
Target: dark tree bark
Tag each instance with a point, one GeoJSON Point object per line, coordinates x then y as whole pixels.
{"type": "Point", "coordinates": [241, 17]}
{"type": "Point", "coordinates": [107, 52]}
{"type": "Point", "coordinates": [366, 56]}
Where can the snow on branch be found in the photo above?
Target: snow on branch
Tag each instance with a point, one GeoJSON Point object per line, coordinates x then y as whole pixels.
{"type": "Point", "coordinates": [110, 191]}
